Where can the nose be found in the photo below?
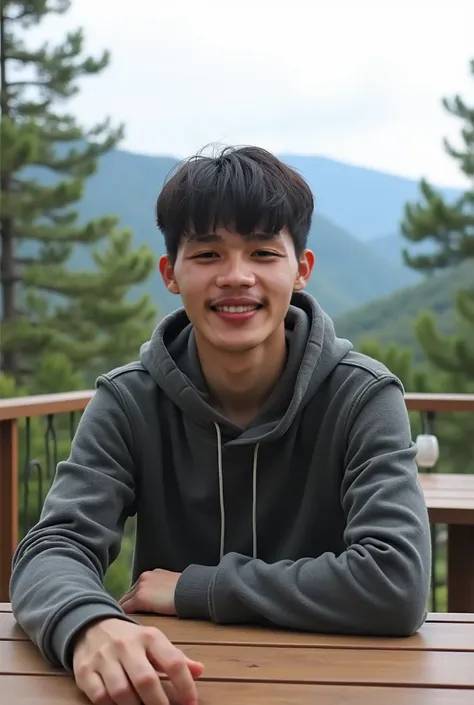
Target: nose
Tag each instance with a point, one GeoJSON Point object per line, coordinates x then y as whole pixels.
{"type": "Point", "coordinates": [235, 273]}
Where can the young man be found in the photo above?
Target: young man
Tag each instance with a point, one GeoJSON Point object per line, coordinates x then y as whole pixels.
{"type": "Point", "coordinates": [271, 468]}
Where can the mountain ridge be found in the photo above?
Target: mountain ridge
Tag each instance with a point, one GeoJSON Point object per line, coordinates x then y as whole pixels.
{"type": "Point", "coordinates": [390, 319]}
{"type": "Point", "coordinates": [350, 270]}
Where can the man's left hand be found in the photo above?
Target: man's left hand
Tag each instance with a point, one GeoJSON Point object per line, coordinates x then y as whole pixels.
{"type": "Point", "coordinates": [153, 592]}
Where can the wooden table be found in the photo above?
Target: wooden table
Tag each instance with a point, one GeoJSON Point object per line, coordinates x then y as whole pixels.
{"type": "Point", "coordinates": [250, 666]}
{"type": "Point", "coordinates": [450, 501]}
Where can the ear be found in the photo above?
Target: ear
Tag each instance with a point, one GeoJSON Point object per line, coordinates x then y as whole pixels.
{"type": "Point", "coordinates": [167, 274]}
{"type": "Point", "coordinates": [305, 267]}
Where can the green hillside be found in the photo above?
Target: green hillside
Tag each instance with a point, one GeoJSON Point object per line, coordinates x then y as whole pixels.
{"type": "Point", "coordinates": [391, 319]}
{"type": "Point", "coordinates": [348, 272]}
{"type": "Point", "coordinates": [364, 201]}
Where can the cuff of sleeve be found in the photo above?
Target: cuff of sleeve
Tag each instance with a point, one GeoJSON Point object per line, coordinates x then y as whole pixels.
{"type": "Point", "coordinates": [72, 622]}
{"type": "Point", "coordinates": [191, 597]}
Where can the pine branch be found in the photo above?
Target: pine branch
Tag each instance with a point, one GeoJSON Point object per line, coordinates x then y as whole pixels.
{"type": "Point", "coordinates": [30, 84]}
{"type": "Point", "coordinates": [30, 204]}
{"type": "Point", "coordinates": [34, 10]}
{"type": "Point", "coordinates": [450, 226]}
{"type": "Point", "coordinates": [83, 318]}
{"type": "Point", "coordinates": [465, 305]}
{"type": "Point", "coordinates": [88, 234]}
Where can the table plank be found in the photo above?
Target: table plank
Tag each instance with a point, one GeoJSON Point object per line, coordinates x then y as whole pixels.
{"type": "Point", "coordinates": [24, 658]}
{"type": "Point", "coordinates": [450, 492]}
{"type": "Point", "coordinates": [445, 513]}
{"type": "Point", "coordinates": [449, 498]}
{"type": "Point", "coordinates": [453, 669]}
{"type": "Point", "coordinates": [451, 617]}
{"type": "Point", "coordinates": [466, 504]}
{"type": "Point", "coordinates": [446, 481]}
{"type": "Point", "coordinates": [432, 616]}
{"type": "Point", "coordinates": [432, 635]}
{"type": "Point", "coordinates": [442, 631]}
{"type": "Point", "coordinates": [50, 690]}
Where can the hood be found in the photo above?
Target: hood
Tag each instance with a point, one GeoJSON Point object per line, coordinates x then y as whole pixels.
{"type": "Point", "coordinates": [172, 360]}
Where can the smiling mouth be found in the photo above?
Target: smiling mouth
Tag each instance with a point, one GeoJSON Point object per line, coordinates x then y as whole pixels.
{"type": "Point", "coordinates": [236, 309]}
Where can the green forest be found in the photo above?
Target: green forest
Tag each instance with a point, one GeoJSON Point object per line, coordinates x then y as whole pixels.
{"type": "Point", "coordinates": [75, 292]}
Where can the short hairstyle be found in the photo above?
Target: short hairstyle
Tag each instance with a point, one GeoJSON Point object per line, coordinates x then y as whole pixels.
{"type": "Point", "coordinates": [243, 189]}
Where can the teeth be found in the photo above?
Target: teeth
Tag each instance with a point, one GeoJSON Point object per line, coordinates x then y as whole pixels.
{"type": "Point", "coordinates": [236, 309]}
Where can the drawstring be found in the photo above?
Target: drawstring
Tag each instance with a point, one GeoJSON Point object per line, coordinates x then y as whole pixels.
{"type": "Point", "coordinates": [221, 489]}
{"type": "Point", "coordinates": [254, 499]}
{"type": "Point", "coordinates": [221, 494]}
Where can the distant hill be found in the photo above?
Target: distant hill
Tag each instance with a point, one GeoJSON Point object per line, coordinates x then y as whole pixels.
{"type": "Point", "coordinates": [391, 319]}
{"type": "Point", "coordinates": [365, 202]}
{"type": "Point", "coordinates": [391, 247]}
{"type": "Point", "coordinates": [356, 263]}
{"type": "Point", "coordinates": [348, 272]}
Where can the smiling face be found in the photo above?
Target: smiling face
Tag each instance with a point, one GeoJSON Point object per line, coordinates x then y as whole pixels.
{"type": "Point", "coordinates": [236, 289]}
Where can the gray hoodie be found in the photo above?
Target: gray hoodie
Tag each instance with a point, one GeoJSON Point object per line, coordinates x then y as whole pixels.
{"type": "Point", "coordinates": [310, 518]}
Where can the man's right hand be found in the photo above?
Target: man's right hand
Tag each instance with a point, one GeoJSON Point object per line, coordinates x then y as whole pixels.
{"type": "Point", "coordinates": [116, 662]}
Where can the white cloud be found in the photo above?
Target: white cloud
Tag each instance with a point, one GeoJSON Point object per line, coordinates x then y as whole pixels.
{"type": "Point", "coordinates": [357, 80]}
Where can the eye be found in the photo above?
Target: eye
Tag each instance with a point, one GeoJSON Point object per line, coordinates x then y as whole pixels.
{"type": "Point", "coordinates": [265, 254]}
{"type": "Point", "coordinates": [205, 255]}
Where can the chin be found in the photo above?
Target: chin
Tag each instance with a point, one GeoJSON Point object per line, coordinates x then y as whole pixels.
{"type": "Point", "coordinates": [239, 346]}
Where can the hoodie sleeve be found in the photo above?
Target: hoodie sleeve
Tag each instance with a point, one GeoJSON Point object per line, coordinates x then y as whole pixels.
{"type": "Point", "coordinates": [59, 566]}
{"type": "Point", "coordinates": [379, 585]}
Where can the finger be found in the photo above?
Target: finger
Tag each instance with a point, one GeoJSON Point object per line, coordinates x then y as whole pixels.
{"type": "Point", "coordinates": [128, 595]}
{"type": "Point", "coordinates": [130, 605]}
{"type": "Point", "coordinates": [175, 664]}
{"type": "Point", "coordinates": [93, 686]}
{"type": "Point", "coordinates": [144, 678]}
{"type": "Point", "coordinates": [196, 668]}
{"type": "Point", "coordinates": [170, 692]}
{"type": "Point", "coordinates": [118, 687]}
{"type": "Point", "coordinates": [134, 603]}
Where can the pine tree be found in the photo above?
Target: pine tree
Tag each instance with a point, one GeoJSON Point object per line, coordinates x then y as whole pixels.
{"type": "Point", "coordinates": [111, 328]}
{"type": "Point", "coordinates": [450, 227]}
{"type": "Point", "coordinates": [80, 319]}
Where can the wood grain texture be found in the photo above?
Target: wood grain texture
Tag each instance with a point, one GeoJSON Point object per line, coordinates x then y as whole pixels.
{"type": "Point", "coordinates": [51, 690]}
{"type": "Point", "coordinates": [432, 616]}
{"type": "Point", "coordinates": [451, 617]}
{"type": "Point", "coordinates": [447, 633]}
{"type": "Point", "coordinates": [434, 669]}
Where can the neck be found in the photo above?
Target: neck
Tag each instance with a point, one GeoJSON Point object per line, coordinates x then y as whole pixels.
{"type": "Point", "coordinates": [241, 382]}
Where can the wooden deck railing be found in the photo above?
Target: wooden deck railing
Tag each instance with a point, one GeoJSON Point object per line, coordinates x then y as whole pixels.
{"type": "Point", "coordinates": [12, 411]}
{"type": "Point", "coordinates": [30, 450]}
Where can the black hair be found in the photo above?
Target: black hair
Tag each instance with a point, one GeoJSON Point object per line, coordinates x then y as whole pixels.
{"type": "Point", "coordinates": [244, 189]}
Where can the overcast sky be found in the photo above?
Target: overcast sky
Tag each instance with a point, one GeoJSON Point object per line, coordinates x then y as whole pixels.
{"type": "Point", "coordinates": [357, 80]}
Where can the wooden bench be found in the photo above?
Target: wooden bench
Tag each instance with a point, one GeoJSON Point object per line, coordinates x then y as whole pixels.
{"type": "Point", "coordinates": [450, 501]}
{"type": "Point", "coordinates": [274, 667]}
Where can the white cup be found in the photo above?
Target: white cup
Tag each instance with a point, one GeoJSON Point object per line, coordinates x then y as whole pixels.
{"type": "Point", "coordinates": [428, 450]}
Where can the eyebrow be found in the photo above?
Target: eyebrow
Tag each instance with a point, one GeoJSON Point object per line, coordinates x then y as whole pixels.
{"type": "Point", "coordinates": [250, 237]}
